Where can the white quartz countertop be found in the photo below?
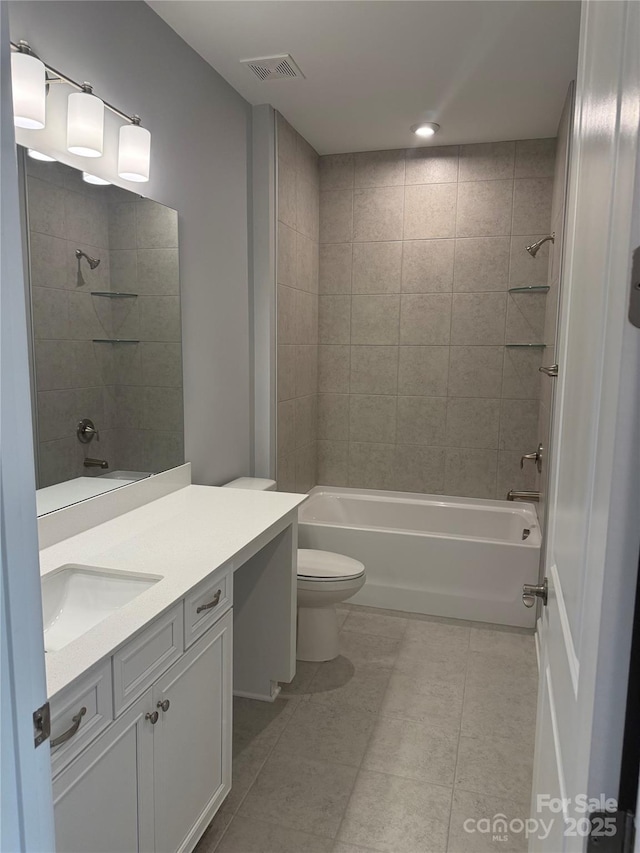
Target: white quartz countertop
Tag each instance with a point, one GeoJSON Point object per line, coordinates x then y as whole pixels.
{"type": "Point", "coordinates": [183, 537]}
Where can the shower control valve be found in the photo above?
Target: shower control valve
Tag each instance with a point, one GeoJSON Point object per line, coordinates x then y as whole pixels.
{"type": "Point", "coordinates": [532, 591]}
{"type": "Point", "coordinates": [536, 457]}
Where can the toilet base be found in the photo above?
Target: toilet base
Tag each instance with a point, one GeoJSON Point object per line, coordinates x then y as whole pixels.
{"type": "Point", "coordinates": [317, 633]}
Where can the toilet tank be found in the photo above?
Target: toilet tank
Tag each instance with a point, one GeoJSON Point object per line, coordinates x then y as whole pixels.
{"type": "Point", "coordinates": [257, 483]}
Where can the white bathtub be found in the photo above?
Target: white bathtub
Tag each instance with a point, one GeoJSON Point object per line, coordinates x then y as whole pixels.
{"type": "Point", "coordinates": [458, 557]}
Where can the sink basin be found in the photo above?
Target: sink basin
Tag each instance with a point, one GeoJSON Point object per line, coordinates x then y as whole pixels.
{"type": "Point", "coordinates": [75, 598]}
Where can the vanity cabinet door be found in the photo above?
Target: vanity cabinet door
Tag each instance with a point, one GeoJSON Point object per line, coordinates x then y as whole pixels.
{"type": "Point", "coordinates": [192, 748]}
{"type": "Point", "coordinates": [103, 801]}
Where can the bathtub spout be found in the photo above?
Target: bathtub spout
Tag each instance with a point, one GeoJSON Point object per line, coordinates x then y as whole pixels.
{"type": "Point", "coordinates": [514, 495]}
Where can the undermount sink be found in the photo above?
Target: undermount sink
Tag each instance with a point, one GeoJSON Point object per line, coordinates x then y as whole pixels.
{"type": "Point", "coordinates": [76, 598]}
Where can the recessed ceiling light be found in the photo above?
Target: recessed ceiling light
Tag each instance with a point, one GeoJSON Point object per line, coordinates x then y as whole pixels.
{"type": "Point", "coordinates": [38, 155]}
{"type": "Point", "coordinates": [94, 179]}
{"type": "Point", "coordinates": [425, 128]}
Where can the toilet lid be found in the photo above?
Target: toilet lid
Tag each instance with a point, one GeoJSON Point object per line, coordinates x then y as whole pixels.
{"type": "Point", "coordinates": [325, 565]}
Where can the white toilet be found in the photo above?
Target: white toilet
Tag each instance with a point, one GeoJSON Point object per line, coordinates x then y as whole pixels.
{"type": "Point", "coordinates": [324, 580]}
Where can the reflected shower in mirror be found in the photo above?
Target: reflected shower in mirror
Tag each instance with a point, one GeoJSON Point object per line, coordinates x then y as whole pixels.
{"type": "Point", "coordinates": [106, 334]}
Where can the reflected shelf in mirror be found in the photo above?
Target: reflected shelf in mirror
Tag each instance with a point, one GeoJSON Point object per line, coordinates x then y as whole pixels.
{"type": "Point", "coordinates": [530, 288]}
{"type": "Point", "coordinates": [113, 294]}
{"type": "Point", "coordinates": [525, 346]}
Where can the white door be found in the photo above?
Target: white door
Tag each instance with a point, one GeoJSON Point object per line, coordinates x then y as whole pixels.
{"type": "Point", "coordinates": [192, 748]}
{"type": "Point", "coordinates": [592, 551]}
{"type": "Point", "coordinates": [26, 813]}
{"type": "Point", "coordinates": [103, 800]}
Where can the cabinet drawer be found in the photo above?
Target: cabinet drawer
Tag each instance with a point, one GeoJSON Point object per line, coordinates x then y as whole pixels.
{"type": "Point", "coordinates": [92, 692]}
{"type": "Point", "coordinates": [138, 664]}
{"type": "Point", "coordinates": [206, 603]}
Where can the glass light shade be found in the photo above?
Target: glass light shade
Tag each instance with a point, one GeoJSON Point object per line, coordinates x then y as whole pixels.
{"type": "Point", "coordinates": [85, 124]}
{"type": "Point", "coordinates": [134, 153]}
{"type": "Point", "coordinates": [94, 179]}
{"type": "Point", "coordinates": [29, 91]}
{"type": "Point", "coordinates": [38, 155]}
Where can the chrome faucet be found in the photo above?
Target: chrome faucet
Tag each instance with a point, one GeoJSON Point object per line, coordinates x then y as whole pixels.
{"type": "Point", "coordinates": [514, 495]}
{"type": "Point", "coordinates": [95, 463]}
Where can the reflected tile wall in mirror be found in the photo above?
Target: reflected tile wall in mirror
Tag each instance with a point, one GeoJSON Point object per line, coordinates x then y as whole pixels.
{"type": "Point", "coordinates": [132, 391]}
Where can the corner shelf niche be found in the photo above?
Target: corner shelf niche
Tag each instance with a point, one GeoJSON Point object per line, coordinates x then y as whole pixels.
{"type": "Point", "coordinates": [115, 341]}
{"type": "Point", "coordinates": [114, 294]}
{"type": "Point", "coordinates": [532, 288]}
{"type": "Point", "coordinates": [525, 346]}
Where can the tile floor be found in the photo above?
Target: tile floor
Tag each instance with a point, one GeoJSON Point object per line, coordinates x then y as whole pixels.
{"type": "Point", "coordinates": [418, 725]}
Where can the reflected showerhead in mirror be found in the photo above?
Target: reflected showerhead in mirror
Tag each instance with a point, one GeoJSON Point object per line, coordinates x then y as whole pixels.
{"type": "Point", "coordinates": [93, 262]}
{"type": "Point", "coordinates": [534, 248]}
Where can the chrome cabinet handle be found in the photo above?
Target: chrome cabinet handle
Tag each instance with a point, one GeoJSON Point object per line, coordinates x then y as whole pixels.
{"type": "Point", "coordinates": [164, 705]}
{"type": "Point", "coordinates": [152, 717]}
{"type": "Point", "coordinates": [65, 736]}
{"type": "Point", "coordinates": [216, 600]}
{"type": "Point", "coordinates": [549, 371]}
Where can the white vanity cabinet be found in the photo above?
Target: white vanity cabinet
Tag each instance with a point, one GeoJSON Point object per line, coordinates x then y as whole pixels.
{"type": "Point", "coordinates": [155, 777]}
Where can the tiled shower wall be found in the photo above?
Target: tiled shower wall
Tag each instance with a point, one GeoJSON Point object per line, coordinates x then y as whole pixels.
{"type": "Point", "coordinates": [133, 392]}
{"type": "Point", "coordinates": [418, 389]}
{"type": "Point", "coordinates": [297, 275]}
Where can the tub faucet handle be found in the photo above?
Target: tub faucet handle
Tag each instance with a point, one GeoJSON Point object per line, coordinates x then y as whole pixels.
{"type": "Point", "coordinates": [532, 591]}
{"type": "Point", "coordinates": [536, 457]}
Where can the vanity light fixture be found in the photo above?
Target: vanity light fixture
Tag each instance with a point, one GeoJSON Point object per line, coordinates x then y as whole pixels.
{"type": "Point", "coordinates": [38, 155]}
{"type": "Point", "coordinates": [28, 77]}
{"type": "Point", "coordinates": [85, 117]}
{"type": "Point", "coordinates": [85, 123]}
{"type": "Point", "coordinates": [134, 152]}
{"type": "Point", "coordinates": [425, 128]}
{"type": "Point", "coordinates": [94, 179]}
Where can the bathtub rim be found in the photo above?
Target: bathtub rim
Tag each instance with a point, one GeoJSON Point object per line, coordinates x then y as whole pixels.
{"type": "Point", "coordinates": [526, 510]}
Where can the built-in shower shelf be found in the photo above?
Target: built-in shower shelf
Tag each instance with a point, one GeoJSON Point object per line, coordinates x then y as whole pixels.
{"type": "Point", "coordinates": [113, 294]}
{"type": "Point", "coordinates": [115, 341]}
{"type": "Point", "coordinates": [525, 346]}
{"type": "Point", "coordinates": [532, 288]}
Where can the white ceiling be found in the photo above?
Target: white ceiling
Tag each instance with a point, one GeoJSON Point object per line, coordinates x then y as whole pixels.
{"type": "Point", "coordinates": [485, 71]}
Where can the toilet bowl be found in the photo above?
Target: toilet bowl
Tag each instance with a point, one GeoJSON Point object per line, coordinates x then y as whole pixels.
{"type": "Point", "coordinates": [324, 580]}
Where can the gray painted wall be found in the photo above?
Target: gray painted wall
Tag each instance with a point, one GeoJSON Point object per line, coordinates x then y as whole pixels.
{"type": "Point", "coordinates": [200, 132]}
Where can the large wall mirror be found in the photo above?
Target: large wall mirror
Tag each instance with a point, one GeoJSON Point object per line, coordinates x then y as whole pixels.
{"type": "Point", "coordinates": [105, 332]}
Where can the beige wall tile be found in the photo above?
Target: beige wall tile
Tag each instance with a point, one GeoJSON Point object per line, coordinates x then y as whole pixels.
{"type": "Point", "coordinates": [375, 319]}
{"type": "Point", "coordinates": [422, 420]}
{"type": "Point", "coordinates": [307, 208]}
{"type": "Point", "coordinates": [371, 466]}
{"type": "Point", "coordinates": [337, 171]}
{"type": "Point", "coordinates": [427, 266]}
{"type": "Point", "coordinates": [333, 463]}
{"type": "Point", "coordinates": [476, 371]}
{"type": "Point", "coordinates": [334, 319]}
{"type": "Point", "coordinates": [335, 268]}
{"type": "Point", "coordinates": [419, 469]}
{"type": "Point", "coordinates": [286, 372]}
{"type": "Point", "coordinates": [532, 205]}
{"type": "Point", "coordinates": [336, 216]}
{"type": "Point", "coordinates": [525, 271]}
{"type": "Point", "coordinates": [306, 370]}
{"type": "Point", "coordinates": [286, 427]}
{"type": "Point", "coordinates": [306, 317]}
{"type": "Point", "coordinates": [333, 417]}
{"type": "Point", "coordinates": [307, 165]}
{"type": "Point", "coordinates": [525, 317]}
{"type": "Point", "coordinates": [519, 425]}
{"type": "Point", "coordinates": [423, 371]}
{"type": "Point", "coordinates": [372, 418]}
{"type": "Point", "coordinates": [425, 319]}
{"type": "Point", "coordinates": [432, 165]}
{"type": "Point", "coordinates": [521, 377]}
{"type": "Point", "coordinates": [487, 161]}
{"type": "Point", "coordinates": [379, 169]}
{"type": "Point", "coordinates": [287, 194]}
{"type": "Point", "coordinates": [286, 141]}
{"type": "Point", "coordinates": [333, 369]}
{"type": "Point", "coordinates": [306, 467]}
{"type": "Point", "coordinates": [307, 262]}
{"type": "Point", "coordinates": [286, 315]}
{"type": "Point", "coordinates": [286, 473]}
{"type": "Point", "coordinates": [482, 264]}
{"type": "Point", "coordinates": [512, 476]}
{"type": "Point", "coordinates": [478, 319]}
{"type": "Point", "coordinates": [473, 422]}
{"type": "Point", "coordinates": [377, 267]}
{"type": "Point", "coordinates": [535, 158]}
{"type": "Point", "coordinates": [46, 208]}
{"type": "Point", "coordinates": [429, 211]}
{"type": "Point", "coordinates": [286, 255]}
{"type": "Point", "coordinates": [305, 420]}
{"type": "Point", "coordinates": [470, 473]}
{"type": "Point", "coordinates": [484, 209]}
{"type": "Point", "coordinates": [374, 370]}
{"type": "Point", "coordinates": [377, 214]}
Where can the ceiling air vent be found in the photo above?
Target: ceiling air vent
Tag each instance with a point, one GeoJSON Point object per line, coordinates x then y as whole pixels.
{"type": "Point", "coordinates": [273, 67]}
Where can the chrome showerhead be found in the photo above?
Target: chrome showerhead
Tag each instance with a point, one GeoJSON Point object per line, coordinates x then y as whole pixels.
{"type": "Point", "coordinates": [534, 248]}
{"type": "Point", "coordinates": [93, 262]}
